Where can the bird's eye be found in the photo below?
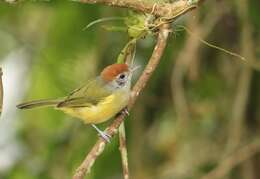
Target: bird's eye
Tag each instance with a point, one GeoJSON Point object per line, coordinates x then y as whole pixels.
{"type": "Point", "coordinates": [122, 76]}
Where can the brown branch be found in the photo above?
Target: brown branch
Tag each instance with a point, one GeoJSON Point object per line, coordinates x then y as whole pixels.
{"type": "Point", "coordinates": [123, 151]}
{"type": "Point", "coordinates": [98, 148]}
{"type": "Point", "coordinates": [170, 10]}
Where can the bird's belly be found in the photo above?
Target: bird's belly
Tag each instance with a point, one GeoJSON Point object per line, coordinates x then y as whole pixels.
{"type": "Point", "coordinates": [101, 112]}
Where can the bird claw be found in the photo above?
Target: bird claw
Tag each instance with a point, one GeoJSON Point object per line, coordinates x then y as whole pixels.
{"type": "Point", "coordinates": [102, 134]}
{"type": "Point", "coordinates": [105, 136]}
{"type": "Point", "coordinates": [125, 112]}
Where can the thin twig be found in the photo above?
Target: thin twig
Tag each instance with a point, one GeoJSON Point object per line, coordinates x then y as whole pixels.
{"type": "Point", "coordinates": [123, 151]}
{"type": "Point", "coordinates": [168, 10]}
{"type": "Point", "coordinates": [98, 148]}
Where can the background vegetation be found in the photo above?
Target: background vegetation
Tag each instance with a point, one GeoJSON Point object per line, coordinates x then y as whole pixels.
{"type": "Point", "coordinates": [200, 107]}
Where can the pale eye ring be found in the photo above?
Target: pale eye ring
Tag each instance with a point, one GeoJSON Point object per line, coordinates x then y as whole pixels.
{"type": "Point", "coordinates": [122, 76]}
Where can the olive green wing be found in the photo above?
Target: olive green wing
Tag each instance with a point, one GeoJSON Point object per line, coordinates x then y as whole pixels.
{"type": "Point", "coordinates": [79, 102]}
{"type": "Point", "coordinates": [87, 95]}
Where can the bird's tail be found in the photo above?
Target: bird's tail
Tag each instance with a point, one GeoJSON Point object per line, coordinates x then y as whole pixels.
{"type": "Point", "coordinates": [39, 103]}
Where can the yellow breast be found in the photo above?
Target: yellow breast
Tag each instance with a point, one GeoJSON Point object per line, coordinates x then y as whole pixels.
{"type": "Point", "coordinates": [101, 112]}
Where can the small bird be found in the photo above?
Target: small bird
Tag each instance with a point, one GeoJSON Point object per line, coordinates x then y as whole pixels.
{"type": "Point", "coordinates": [97, 101]}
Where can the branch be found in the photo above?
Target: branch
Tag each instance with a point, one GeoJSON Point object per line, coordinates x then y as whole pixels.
{"type": "Point", "coordinates": [123, 151]}
{"type": "Point", "coordinates": [170, 10]}
{"type": "Point", "coordinates": [98, 148]}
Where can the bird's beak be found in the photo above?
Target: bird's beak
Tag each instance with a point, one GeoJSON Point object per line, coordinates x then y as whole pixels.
{"type": "Point", "coordinates": [134, 68]}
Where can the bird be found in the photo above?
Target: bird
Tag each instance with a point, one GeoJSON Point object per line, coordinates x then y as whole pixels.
{"type": "Point", "coordinates": [98, 100]}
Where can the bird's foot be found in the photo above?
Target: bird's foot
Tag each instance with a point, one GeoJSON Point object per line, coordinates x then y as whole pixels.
{"type": "Point", "coordinates": [105, 136]}
{"type": "Point", "coordinates": [125, 111]}
{"type": "Point", "coordinates": [102, 134]}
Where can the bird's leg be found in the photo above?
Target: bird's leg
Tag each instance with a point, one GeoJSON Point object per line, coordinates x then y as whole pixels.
{"type": "Point", "coordinates": [102, 134]}
{"type": "Point", "coordinates": [125, 111]}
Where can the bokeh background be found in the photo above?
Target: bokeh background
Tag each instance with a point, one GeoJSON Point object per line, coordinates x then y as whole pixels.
{"type": "Point", "coordinates": [199, 110]}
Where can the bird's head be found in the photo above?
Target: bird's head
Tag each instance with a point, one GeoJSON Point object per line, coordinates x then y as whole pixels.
{"type": "Point", "coordinates": [117, 75]}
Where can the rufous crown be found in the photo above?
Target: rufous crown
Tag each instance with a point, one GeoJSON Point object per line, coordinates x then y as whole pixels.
{"type": "Point", "coordinates": [110, 72]}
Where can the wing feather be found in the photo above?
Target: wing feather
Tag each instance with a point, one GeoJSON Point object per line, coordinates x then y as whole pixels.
{"type": "Point", "coordinates": [86, 96]}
